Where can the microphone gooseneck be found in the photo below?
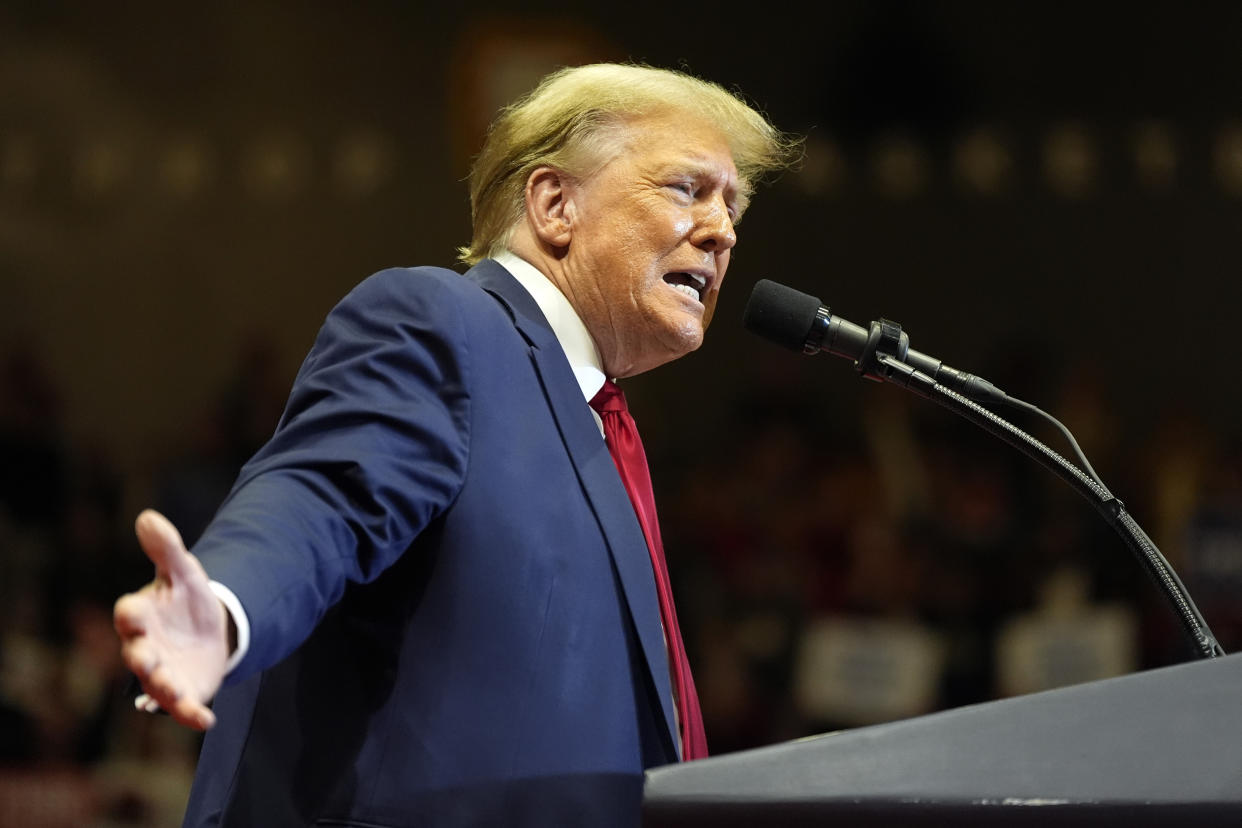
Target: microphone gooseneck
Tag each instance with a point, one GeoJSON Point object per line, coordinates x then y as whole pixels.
{"type": "Point", "coordinates": [800, 322]}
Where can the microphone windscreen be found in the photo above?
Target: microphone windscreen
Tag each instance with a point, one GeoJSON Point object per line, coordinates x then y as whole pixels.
{"type": "Point", "coordinates": [780, 314]}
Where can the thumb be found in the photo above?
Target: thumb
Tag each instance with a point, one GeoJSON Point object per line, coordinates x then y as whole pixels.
{"type": "Point", "coordinates": [162, 543]}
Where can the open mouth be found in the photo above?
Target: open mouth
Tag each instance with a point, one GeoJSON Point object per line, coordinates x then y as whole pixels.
{"type": "Point", "coordinates": [688, 283]}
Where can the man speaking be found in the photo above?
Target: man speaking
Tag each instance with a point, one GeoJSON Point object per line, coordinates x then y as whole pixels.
{"type": "Point", "coordinates": [438, 595]}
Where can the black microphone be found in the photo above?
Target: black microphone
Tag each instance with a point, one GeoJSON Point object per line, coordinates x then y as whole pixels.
{"type": "Point", "coordinates": [800, 322]}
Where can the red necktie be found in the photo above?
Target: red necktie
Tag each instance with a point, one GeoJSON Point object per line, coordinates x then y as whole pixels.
{"type": "Point", "coordinates": [626, 448]}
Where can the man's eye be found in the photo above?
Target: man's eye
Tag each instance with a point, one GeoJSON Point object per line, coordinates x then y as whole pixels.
{"type": "Point", "coordinates": [684, 187]}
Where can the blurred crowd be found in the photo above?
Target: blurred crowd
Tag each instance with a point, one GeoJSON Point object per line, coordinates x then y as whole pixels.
{"type": "Point", "coordinates": [890, 564]}
{"type": "Point", "coordinates": [72, 750]}
{"type": "Point", "coordinates": [904, 561]}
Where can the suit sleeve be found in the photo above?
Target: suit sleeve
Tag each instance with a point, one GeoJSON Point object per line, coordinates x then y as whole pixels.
{"type": "Point", "coordinates": [371, 448]}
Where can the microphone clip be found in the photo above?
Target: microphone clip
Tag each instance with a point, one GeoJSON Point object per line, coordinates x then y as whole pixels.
{"type": "Point", "coordinates": [885, 339]}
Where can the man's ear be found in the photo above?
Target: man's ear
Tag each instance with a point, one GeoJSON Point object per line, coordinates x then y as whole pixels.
{"type": "Point", "coordinates": [548, 191]}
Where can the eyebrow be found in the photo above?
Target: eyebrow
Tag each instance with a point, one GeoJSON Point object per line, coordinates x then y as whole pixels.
{"type": "Point", "coordinates": [737, 195]}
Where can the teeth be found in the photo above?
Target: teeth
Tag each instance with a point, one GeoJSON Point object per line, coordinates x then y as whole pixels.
{"type": "Point", "coordinates": [689, 291]}
{"type": "Point", "coordinates": [702, 281]}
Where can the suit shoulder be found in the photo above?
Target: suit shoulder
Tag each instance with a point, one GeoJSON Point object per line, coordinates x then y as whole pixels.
{"type": "Point", "coordinates": [421, 290]}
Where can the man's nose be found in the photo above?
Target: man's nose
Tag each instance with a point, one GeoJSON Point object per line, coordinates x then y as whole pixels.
{"type": "Point", "coordinates": [715, 231]}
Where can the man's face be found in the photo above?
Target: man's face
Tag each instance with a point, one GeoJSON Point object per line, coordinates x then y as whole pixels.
{"type": "Point", "coordinates": [652, 232]}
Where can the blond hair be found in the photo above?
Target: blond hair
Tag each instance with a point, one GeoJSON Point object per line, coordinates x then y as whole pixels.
{"type": "Point", "coordinates": [572, 118]}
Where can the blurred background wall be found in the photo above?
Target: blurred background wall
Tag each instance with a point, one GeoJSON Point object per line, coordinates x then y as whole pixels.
{"type": "Point", "coordinates": [1048, 195]}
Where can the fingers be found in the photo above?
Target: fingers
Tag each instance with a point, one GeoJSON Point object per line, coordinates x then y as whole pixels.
{"type": "Point", "coordinates": [164, 632]}
{"type": "Point", "coordinates": [129, 615]}
{"type": "Point", "coordinates": [184, 710]}
{"type": "Point", "coordinates": [192, 714]}
{"type": "Point", "coordinates": [140, 657]}
{"type": "Point", "coordinates": [163, 690]}
{"type": "Point", "coordinates": [162, 543]}
{"type": "Point", "coordinates": [165, 635]}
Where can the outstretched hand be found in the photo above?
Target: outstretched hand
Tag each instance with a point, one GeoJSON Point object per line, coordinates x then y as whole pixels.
{"type": "Point", "coordinates": [174, 631]}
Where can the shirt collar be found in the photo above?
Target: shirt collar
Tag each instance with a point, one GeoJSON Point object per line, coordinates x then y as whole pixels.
{"type": "Point", "coordinates": [566, 324]}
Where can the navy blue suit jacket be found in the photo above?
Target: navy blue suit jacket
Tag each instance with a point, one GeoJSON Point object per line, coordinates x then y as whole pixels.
{"type": "Point", "coordinates": [453, 614]}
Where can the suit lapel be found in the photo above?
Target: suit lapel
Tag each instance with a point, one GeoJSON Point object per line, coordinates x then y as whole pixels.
{"type": "Point", "coordinates": [596, 472]}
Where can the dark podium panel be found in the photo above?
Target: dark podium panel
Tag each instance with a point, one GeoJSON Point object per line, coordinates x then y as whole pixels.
{"type": "Point", "coordinates": [1162, 747]}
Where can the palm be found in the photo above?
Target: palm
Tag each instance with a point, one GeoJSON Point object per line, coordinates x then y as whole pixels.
{"type": "Point", "coordinates": [174, 631]}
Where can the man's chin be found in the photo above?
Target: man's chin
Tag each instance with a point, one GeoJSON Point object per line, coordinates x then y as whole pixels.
{"type": "Point", "coordinates": [688, 340]}
{"type": "Point", "coordinates": [675, 348]}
